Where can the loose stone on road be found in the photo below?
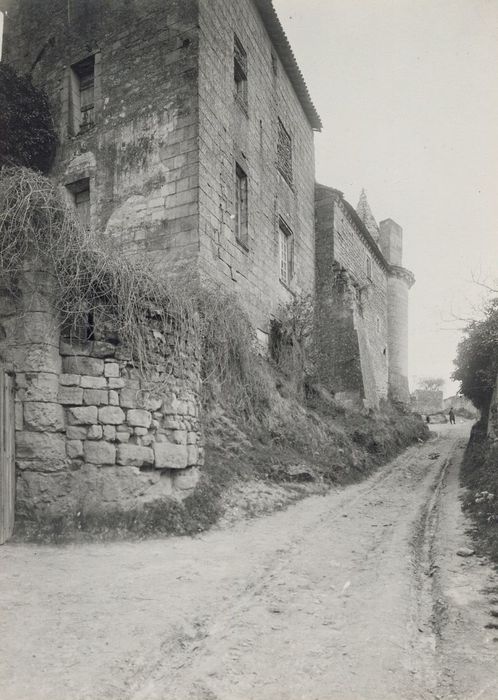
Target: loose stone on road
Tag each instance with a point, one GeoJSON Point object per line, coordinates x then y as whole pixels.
{"type": "Point", "coordinates": [359, 594]}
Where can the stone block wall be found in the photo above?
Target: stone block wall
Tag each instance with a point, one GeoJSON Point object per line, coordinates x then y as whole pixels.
{"type": "Point", "coordinates": [351, 302]}
{"type": "Point", "coordinates": [141, 156]}
{"type": "Point", "coordinates": [232, 133]}
{"type": "Point", "coordinates": [91, 433]}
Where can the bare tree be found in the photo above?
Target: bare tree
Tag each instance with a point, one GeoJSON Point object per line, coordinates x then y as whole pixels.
{"type": "Point", "coordinates": [431, 383]}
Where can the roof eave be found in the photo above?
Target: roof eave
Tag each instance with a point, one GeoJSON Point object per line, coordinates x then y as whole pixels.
{"type": "Point", "coordinates": [283, 48]}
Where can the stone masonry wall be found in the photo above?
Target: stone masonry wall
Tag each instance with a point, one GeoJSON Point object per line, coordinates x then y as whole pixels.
{"type": "Point", "coordinates": [141, 156]}
{"type": "Point", "coordinates": [351, 303]}
{"type": "Point", "coordinates": [231, 133]}
{"type": "Point", "coordinates": [91, 434]}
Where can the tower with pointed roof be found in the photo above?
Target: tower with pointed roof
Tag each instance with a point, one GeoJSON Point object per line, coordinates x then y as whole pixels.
{"type": "Point", "coordinates": [362, 301]}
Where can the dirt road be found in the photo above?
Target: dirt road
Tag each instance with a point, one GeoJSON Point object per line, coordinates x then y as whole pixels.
{"type": "Point", "coordinates": [355, 595]}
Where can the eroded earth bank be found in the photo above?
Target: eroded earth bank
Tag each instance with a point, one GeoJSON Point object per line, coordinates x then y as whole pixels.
{"type": "Point", "coordinates": [359, 594]}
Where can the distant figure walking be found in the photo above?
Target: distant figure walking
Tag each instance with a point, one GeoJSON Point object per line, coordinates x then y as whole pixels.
{"type": "Point", "coordinates": [428, 419]}
{"type": "Point", "coordinates": [452, 416]}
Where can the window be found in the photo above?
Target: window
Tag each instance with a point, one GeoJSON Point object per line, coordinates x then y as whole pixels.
{"type": "Point", "coordinates": [82, 96]}
{"type": "Point", "coordinates": [369, 267]}
{"type": "Point", "coordinates": [284, 153]}
{"type": "Point", "coordinates": [240, 72]}
{"type": "Point", "coordinates": [286, 250]}
{"type": "Point", "coordinates": [274, 63]}
{"type": "Point", "coordinates": [241, 208]}
{"type": "Point", "coordinates": [80, 193]}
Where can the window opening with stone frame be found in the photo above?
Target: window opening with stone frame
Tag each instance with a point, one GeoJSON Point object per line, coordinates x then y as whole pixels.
{"type": "Point", "coordinates": [80, 194]}
{"type": "Point", "coordinates": [369, 268]}
{"type": "Point", "coordinates": [241, 207]}
{"type": "Point", "coordinates": [286, 252]}
{"type": "Point", "coordinates": [284, 153]}
{"type": "Point", "coordinates": [82, 96]}
{"type": "Point", "coordinates": [240, 72]}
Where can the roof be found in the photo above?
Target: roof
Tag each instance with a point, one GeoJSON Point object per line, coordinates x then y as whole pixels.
{"type": "Point", "coordinates": [365, 213]}
{"type": "Point", "coordinates": [286, 55]}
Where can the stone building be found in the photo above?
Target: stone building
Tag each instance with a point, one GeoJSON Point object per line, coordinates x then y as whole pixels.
{"type": "Point", "coordinates": [186, 132]}
{"type": "Point", "coordinates": [362, 301]}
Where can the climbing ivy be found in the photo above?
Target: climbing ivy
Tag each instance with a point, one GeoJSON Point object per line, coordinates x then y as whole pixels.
{"type": "Point", "coordinates": [27, 135]}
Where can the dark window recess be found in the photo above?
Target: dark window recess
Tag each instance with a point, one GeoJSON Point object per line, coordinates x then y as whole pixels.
{"type": "Point", "coordinates": [284, 153]}
{"type": "Point", "coordinates": [369, 268]}
{"type": "Point", "coordinates": [286, 252]}
{"type": "Point", "coordinates": [240, 72]}
{"type": "Point", "coordinates": [80, 192]}
{"type": "Point", "coordinates": [82, 96]}
{"type": "Point", "coordinates": [241, 207]}
{"type": "Point", "coordinates": [274, 63]}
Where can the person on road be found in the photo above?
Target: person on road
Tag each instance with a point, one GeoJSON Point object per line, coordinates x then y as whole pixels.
{"type": "Point", "coordinates": [452, 416]}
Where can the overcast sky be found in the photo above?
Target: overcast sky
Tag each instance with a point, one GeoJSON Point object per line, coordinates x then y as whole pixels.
{"type": "Point", "coordinates": [408, 94]}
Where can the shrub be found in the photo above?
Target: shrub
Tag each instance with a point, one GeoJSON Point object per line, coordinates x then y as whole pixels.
{"type": "Point", "coordinates": [27, 135]}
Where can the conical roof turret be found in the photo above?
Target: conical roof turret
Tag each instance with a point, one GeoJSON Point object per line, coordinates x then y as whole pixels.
{"type": "Point", "coordinates": [365, 213]}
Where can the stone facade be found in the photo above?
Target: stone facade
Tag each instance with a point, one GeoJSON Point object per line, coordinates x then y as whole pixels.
{"type": "Point", "coordinates": [427, 402]}
{"type": "Point", "coordinates": [232, 133]}
{"type": "Point", "coordinates": [167, 133]}
{"type": "Point", "coordinates": [90, 432]}
{"type": "Point", "coordinates": [362, 302]}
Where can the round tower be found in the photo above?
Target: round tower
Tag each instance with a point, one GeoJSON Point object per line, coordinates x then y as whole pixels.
{"type": "Point", "coordinates": [399, 282]}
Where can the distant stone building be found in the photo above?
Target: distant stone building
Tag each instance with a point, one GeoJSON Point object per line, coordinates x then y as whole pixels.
{"type": "Point", "coordinates": [362, 301]}
{"type": "Point", "coordinates": [427, 401]}
{"type": "Point", "coordinates": [186, 132]}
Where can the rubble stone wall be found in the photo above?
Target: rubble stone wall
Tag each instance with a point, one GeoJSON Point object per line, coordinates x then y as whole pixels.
{"type": "Point", "coordinates": [91, 433]}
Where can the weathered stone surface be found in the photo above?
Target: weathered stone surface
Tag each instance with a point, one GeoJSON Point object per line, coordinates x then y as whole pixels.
{"type": "Point", "coordinates": [169, 456]}
{"type": "Point", "coordinates": [41, 386]}
{"type": "Point", "coordinates": [109, 432]}
{"type": "Point", "coordinates": [83, 365]}
{"type": "Point", "coordinates": [69, 379]}
{"type": "Point", "coordinates": [43, 416]}
{"type": "Point", "coordinates": [115, 382]}
{"type": "Point", "coordinates": [76, 432]}
{"type": "Point", "coordinates": [128, 398]}
{"type": "Point", "coordinates": [122, 437]}
{"type": "Point", "coordinates": [171, 423]}
{"type": "Point", "coordinates": [186, 480]}
{"type": "Point", "coordinates": [99, 452]}
{"type": "Point", "coordinates": [32, 358]}
{"type": "Point", "coordinates": [192, 438]}
{"type": "Point", "coordinates": [135, 455]}
{"type": "Point", "coordinates": [151, 403]}
{"type": "Point", "coordinates": [82, 415]}
{"type": "Point", "coordinates": [95, 432]}
{"type": "Point", "coordinates": [74, 449]}
{"type": "Point", "coordinates": [180, 437]}
{"type": "Point", "coordinates": [74, 348]}
{"type": "Point", "coordinates": [138, 417]}
{"type": "Point", "coordinates": [70, 395]}
{"type": "Point", "coordinates": [103, 349]}
{"type": "Point", "coordinates": [95, 397]}
{"type": "Point", "coordinates": [192, 455]}
{"type": "Point", "coordinates": [113, 398]}
{"type": "Point", "coordinates": [112, 415]}
{"type": "Point", "coordinates": [140, 431]}
{"type": "Point", "coordinates": [111, 369]}
{"type": "Point", "coordinates": [93, 382]}
{"type": "Point", "coordinates": [170, 405]}
{"type": "Point", "coordinates": [44, 447]}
